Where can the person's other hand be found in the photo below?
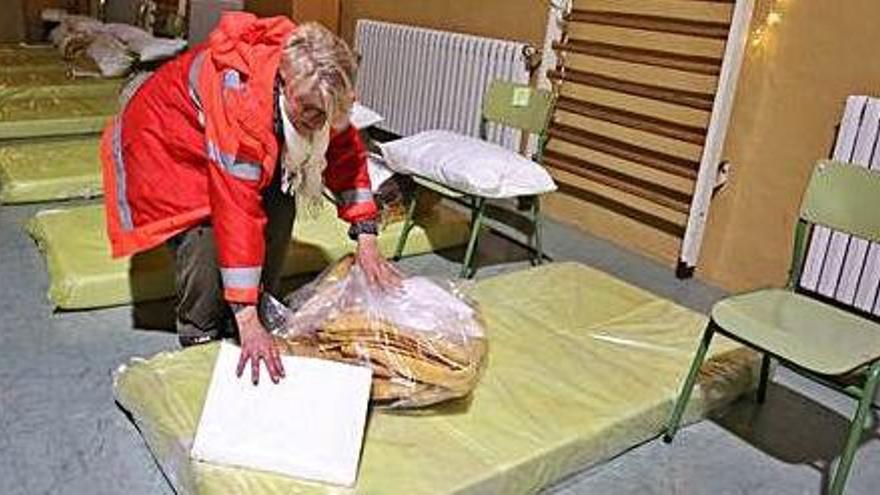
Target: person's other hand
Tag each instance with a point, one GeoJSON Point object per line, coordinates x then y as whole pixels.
{"type": "Point", "coordinates": [256, 345]}
{"type": "Point", "coordinates": [378, 270]}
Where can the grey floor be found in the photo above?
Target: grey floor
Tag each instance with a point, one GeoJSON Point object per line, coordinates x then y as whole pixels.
{"type": "Point", "coordinates": [61, 432]}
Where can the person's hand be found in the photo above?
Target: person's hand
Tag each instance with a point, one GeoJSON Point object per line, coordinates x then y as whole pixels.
{"type": "Point", "coordinates": [379, 272]}
{"type": "Point", "coordinates": [256, 344]}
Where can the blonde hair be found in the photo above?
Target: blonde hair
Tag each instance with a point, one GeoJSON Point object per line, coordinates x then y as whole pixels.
{"type": "Point", "coordinates": [316, 59]}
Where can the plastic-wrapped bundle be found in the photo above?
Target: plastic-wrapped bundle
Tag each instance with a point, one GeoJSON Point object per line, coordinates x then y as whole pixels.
{"type": "Point", "coordinates": [71, 24]}
{"type": "Point", "coordinates": [111, 55]}
{"type": "Point", "coordinates": [126, 33]}
{"type": "Point", "coordinates": [147, 47]}
{"type": "Point", "coordinates": [425, 343]}
{"type": "Point", "coordinates": [74, 34]}
{"type": "Point", "coordinates": [113, 47]}
{"type": "Point", "coordinates": [393, 196]}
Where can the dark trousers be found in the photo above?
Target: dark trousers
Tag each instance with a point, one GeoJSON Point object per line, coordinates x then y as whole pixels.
{"type": "Point", "coordinates": [202, 313]}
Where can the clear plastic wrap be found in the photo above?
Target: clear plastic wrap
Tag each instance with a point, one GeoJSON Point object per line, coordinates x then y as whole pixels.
{"type": "Point", "coordinates": [147, 47]}
{"type": "Point", "coordinates": [111, 55]}
{"type": "Point", "coordinates": [425, 343]}
{"type": "Point", "coordinates": [74, 34]}
{"type": "Point", "coordinates": [392, 197]}
{"type": "Point", "coordinates": [113, 47]}
{"type": "Point", "coordinates": [153, 49]}
{"type": "Point", "coordinates": [126, 33]}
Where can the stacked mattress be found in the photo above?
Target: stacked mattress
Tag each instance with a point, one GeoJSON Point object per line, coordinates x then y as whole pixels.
{"type": "Point", "coordinates": [37, 99]}
{"type": "Point", "coordinates": [24, 115]}
{"type": "Point", "coordinates": [49, 125]}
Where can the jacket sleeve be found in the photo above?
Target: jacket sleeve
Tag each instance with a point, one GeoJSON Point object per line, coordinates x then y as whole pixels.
{"type": "Point", "coordinates": [347, 177]}
{"type": "Point", "coordinates": [239, 221]}
{"type": "Point", "coordinates": [235, 180]}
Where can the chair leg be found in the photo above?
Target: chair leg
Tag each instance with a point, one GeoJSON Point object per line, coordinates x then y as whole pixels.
{"type": "Point", "coordinates": [408, 224]}
{"type": "Point", "coordinates": [765, 377]}
{"type": "Point", "coordinates": [688, 387]}
{"type": "Point", "coordinates": [476, 224]}
{"type": "Point", "coordinates": [537, 226]}
{"type": "Point", "coordinates": [855, 430]}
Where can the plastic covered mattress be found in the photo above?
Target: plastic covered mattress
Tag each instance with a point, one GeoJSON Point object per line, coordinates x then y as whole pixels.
{"type": "Point", "coordinates": [52, 76]}
{"type": "Point", "coordinates": [83, 275]}
{"type": "Point", "coordinates": [19, 58]}
{"type": "Point", "coordinates": [40, 115]}
{"type": "Point", "coordinates": [50, 169]}
{"type": "Point", "coordinates": [12, 47]}
{"type": "Point", "coordinates": [581, 367]}
{"type": "Point", "coordinates": [31, 66]}
{"type": "Point", "coordinates": [62, 88]}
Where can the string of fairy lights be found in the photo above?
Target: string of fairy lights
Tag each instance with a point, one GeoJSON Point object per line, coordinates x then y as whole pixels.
{"type": "Point", "coordinates": [773, 16]}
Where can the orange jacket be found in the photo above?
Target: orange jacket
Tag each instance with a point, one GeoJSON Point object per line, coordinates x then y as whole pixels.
{"type": "Point", "coordinates": [197, 143]}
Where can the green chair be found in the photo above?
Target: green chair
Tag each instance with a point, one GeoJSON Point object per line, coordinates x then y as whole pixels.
{"type": "Point", "coordinates": [515, 106]}
{"type": "Point", "coordinates": [820, 341]}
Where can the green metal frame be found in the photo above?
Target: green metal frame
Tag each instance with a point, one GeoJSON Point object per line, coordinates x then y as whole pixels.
{"type": "Point", "coordinates": [836, 197]}
{"type": "Point", "coordinates": [531, 118]}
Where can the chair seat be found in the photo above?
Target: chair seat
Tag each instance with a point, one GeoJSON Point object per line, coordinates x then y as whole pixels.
{"type": "Point", "coordinates": [811, 334]}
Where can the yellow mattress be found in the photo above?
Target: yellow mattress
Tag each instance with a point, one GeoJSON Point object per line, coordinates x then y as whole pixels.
{"type": "Point", "coordinates": [53, 76]}
{"type": "Point", "coordinates": [83, 275]}
{"type": "Point", "coordinates": [50, 169]}
{"type": "Point", "coordinates": [63, 88]}
{"type": "Point", "coordinates": [39, 116]}
{"type": "Point", "coordinates": [11, 46]}
{"type": "Point", "coordinates": [18, 58]}
{"type": "Point", "coordinates": [581, 367]}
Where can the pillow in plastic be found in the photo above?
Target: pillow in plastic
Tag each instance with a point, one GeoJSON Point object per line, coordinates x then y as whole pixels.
{"type": "Point", "coordinates": [363, 117]}
{"type": "Point", "coordinates": [111, 55]}
{"type": "Point", "coordinates": [468, 165]}
{"type": "Point", "coordinates": [152, 49]}
{"type": "Point", "coordinates": [148, 47]}
{"type": "Point", "coordinates": [125, 33]}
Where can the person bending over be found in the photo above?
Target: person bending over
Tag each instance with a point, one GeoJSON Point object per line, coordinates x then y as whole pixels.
{"type": "Point", "coordinates": [214, 153]}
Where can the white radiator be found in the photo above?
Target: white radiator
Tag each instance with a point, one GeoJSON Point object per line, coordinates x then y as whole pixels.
{"type": "Point", "coordinates": [422, 79]}
{"type": "Point", "coordinates": [839, 266]}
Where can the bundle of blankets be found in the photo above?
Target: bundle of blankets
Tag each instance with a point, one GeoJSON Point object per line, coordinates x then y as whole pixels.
{"type": "Point", "coordinates": [424, 342]}
{"type": "Point", "coordinates": [108, 49]}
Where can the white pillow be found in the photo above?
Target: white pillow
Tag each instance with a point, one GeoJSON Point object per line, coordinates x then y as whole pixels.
{"type": "Point", "coordinates": [152, 49]}
{"type": "Point", "coordinates": [126, 33]}
{"type": "Point", "coordinates": [363, 117]}
{"type": "Point", "coordinates": [378, 171]}
{"type": "Point", "coordinates": [110, 54]}
{"type": "Point", "coordinates": [467, 164]}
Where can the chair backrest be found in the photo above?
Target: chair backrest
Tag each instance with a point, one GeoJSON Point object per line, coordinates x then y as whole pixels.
{"type": "Point", "coordinates": [844, 197]}
{"type": "Point", "coordinates": [518, 106]}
